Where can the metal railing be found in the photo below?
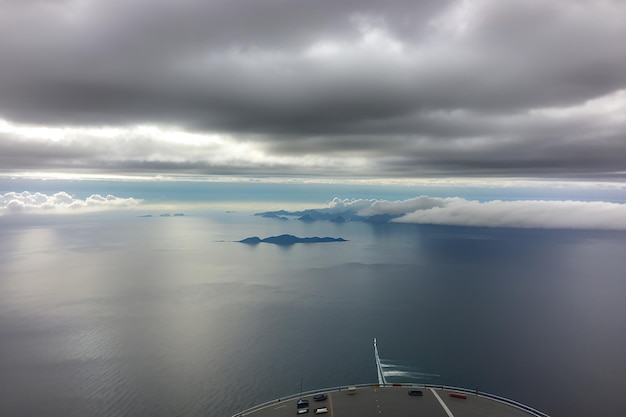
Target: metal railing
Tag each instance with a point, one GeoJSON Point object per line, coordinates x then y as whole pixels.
{"type": "Point", "coordinates": [379, 366]}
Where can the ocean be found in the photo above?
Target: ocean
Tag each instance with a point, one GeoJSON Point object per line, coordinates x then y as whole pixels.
{"type": "Point", "coordinates": [112, 314]}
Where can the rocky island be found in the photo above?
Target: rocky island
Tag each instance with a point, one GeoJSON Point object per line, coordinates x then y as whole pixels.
{"type": "Point", "coordinates": [290, 240]}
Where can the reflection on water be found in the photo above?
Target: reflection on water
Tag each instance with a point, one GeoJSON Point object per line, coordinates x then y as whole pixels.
{"type": "Point", "coordinates": [167, 316]}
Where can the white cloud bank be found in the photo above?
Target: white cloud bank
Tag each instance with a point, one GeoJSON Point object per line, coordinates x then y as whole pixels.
{"type": "Point", "coordinates": [520, 214]}
{"type": "Point", "coordinates": [13, 203]}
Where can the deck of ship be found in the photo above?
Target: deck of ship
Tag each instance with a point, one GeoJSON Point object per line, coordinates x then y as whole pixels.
{"type": "Point", "coordinates": [394, 400]}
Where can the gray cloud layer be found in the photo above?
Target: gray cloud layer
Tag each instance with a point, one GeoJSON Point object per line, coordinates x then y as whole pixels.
{"type": "Point", "coordinates": [398, 88]}
{"type": "Point", "coordinates": [458, 211]}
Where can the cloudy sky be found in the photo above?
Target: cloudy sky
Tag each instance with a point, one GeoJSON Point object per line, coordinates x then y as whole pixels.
{"type": "Point", "coordinates": [342, 88]}
{"type": "Point", "coordinates": [585, 215]}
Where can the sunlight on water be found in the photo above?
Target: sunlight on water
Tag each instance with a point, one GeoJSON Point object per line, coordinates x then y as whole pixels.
{"type": "Point", "coordinates": [170, 316]}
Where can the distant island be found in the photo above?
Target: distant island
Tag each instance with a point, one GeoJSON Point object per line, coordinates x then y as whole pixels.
{"type": "Point", "coordinates": [289, 240]}
{"type": "Point", "coordinates": [333, 216]}
{"type": "Point", "coordinates": [165, 215]}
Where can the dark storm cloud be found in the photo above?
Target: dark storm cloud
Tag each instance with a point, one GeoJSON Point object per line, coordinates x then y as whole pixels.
{"type": "Point", "coordinates": [414, 88]}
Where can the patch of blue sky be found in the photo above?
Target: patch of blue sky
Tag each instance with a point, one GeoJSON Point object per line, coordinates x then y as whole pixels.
{"type": "Point", "coordinates": [302, 192]}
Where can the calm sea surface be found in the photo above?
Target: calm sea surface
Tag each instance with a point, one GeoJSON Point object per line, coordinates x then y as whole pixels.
{"type": "Point", "coordinates": [166, 316]}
